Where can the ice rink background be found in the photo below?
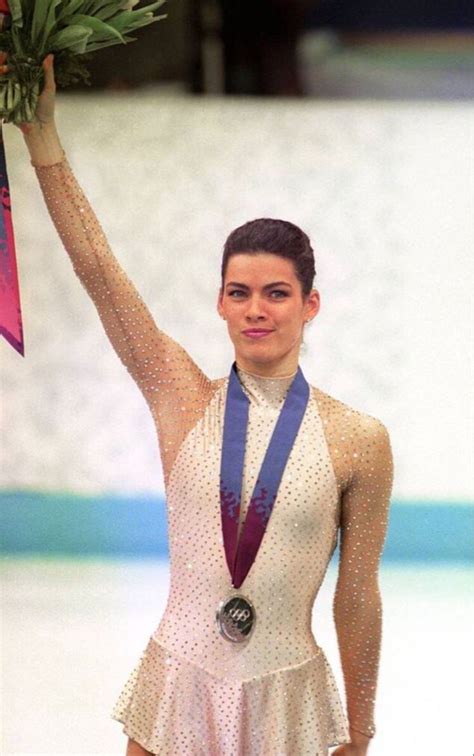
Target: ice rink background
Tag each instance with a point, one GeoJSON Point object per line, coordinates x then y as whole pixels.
{"type": "Point", "coordinates": [385, 192]}
{"type": "Point", "coordinates": [73, 630]}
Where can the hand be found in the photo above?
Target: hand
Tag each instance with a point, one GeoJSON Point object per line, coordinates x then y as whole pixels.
{"type": "Point", "coordinates": [358, 746]}
{"type": "Point", "coordinates": [45, 109]}
{"type": "Point", "coordinates": [350, 749]}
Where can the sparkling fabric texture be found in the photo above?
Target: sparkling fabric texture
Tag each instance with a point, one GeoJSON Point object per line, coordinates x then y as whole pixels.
{"type": "Point", "coordinates": [193, 692]}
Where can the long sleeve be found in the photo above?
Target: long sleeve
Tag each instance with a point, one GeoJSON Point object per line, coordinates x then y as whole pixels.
{"type": "Point", "coordinates": [175, 389]}
{"type": "Point", "coordinates": [357, 605]}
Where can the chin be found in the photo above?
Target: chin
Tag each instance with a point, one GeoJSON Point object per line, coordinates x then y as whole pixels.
{"type": "Point", "coordinates": [260, 356]}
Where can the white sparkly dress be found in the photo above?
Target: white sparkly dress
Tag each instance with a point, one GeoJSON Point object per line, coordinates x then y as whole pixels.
{"type": "Point", "coordinates": [192, 692]}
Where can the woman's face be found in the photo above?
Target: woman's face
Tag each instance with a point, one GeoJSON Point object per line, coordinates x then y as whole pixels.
{"type": "Point", "coordinates": [262, 302]}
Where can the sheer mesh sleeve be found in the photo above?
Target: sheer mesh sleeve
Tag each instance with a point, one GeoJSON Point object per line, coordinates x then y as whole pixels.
{"type": "Point", "coordinates": [175, 389]}
{"type": "Point", "coordinates": [357, 604]}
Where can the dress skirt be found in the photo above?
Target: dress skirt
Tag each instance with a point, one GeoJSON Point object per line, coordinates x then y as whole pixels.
{"type": "Point", "coordinates": [172, 707]}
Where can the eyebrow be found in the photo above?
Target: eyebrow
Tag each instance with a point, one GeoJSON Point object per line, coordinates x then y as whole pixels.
{"type": "Point", "coordinates": [267, 286]}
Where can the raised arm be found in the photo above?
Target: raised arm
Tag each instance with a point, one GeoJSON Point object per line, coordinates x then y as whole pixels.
{"type": "Point", "coordinates": [172, 384]}
{"type": "Point", "coordinates": [357, 604]}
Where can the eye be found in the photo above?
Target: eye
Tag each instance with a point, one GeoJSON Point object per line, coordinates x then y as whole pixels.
{"type": "Point", "coordinates": [279, 292]}
{"type": "Point", "coordinates": [237, 292]}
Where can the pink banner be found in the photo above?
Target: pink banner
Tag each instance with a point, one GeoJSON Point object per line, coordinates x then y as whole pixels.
{"type": "Point", "coordinates": [10, 310]}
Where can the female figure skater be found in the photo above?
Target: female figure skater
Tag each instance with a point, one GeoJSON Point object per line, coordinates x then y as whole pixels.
{"type": "Point", "coordinates": [262, 472]}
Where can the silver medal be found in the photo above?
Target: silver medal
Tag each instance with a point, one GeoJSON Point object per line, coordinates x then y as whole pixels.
{"type": "Point", "coordinates": [236, 618]}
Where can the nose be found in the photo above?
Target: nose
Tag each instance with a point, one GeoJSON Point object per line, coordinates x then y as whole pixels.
{"type": "Point", "coordinates": [255, 309]}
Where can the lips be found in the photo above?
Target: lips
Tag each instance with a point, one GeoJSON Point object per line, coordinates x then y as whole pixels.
{"type": "Point", "coordinates": [256, 332]}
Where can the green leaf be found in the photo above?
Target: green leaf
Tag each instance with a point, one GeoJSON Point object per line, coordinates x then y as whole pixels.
{"type": "Point", "coordinates": [109, 10]}
{"type": "Point", "coordinates": [72, 37]}
{"type": "Point", "coordinates": [69, 8]}
{"type": "Point", "coordinates": [94, 7]}
{"type": "Point", "coordinates": [99, 45]}
{"type": "Point", "coordinates": [16, 12]}
{"type": "Point", "coordinates": [17, 40]}
{"type": "Point", "coordinates": [27, 10]}
{"type": "Point", "coordinates": [153, 6]}
{"type": "Point", "coordinates": [43, 21]}
{"type": "Point", "coordinates": [123, 19]}
{"type": "Point", "coordinates": [99, 28]}
{"type": "Point", "coordinates": [126, 19]}
{"type": "Point", "coordinates": [143, 22]}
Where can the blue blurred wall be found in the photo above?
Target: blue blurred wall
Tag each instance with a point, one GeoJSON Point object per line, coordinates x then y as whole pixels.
{"type": "Point", "coordinates": [73, 525]}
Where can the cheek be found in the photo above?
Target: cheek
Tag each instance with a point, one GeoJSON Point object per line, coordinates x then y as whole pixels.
{"type": "Point", "coordinates": [233, 319]}
{"type": "Point", "coordinates": [290, 317]}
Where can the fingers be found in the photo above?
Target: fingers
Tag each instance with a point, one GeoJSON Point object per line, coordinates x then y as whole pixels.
{"type": "Point", "coordinates": [48, 67]}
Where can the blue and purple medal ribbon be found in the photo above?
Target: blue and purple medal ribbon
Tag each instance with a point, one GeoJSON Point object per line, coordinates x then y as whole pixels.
{"type": "Point", "coordinates": [240, 556]}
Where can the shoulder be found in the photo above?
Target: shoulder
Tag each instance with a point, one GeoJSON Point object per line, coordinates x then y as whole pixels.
{"type": "Point", "coordinates": [358, 442]}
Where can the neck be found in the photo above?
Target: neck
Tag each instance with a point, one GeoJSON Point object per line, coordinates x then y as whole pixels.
{"type": "Point", "coordinates": [279, 369]}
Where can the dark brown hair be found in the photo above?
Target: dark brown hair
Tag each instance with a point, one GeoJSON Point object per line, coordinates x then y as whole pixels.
{"type": "Point", "coordinates": [277, 236]}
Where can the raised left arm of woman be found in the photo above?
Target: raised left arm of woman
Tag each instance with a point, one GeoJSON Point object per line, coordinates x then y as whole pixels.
{"type": "Point", "coordinates": [357, 604]}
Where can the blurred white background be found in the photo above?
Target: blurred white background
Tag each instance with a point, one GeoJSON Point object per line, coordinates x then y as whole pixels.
{"type": "Point", "coordinates": [383, 189]}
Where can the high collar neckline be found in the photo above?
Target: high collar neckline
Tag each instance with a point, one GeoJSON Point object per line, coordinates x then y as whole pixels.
{"type": "Point", "coordinates": [269, 391]}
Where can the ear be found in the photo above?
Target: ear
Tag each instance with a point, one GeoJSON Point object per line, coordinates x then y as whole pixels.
{"type": "Point", "coordinates": [312, 305]}
{"type": "Point", "coordinates": [220, 308]}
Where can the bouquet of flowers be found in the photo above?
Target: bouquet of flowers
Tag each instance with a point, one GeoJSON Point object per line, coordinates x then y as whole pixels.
{"type": "Point", "coordinates": [71, 29]}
